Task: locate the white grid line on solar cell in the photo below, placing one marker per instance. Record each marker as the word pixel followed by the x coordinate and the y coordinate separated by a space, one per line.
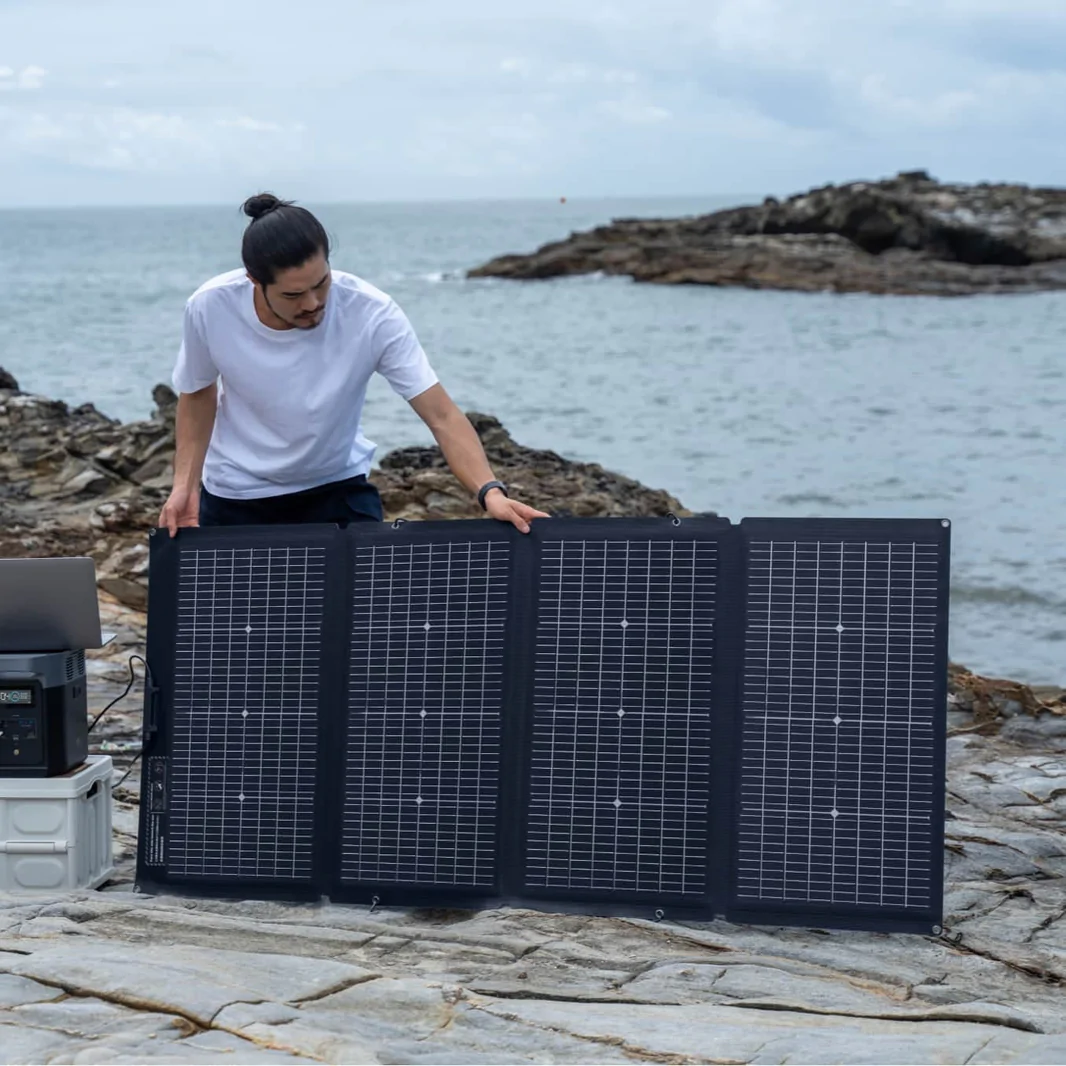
pixel 244 744
pixel 621 716
pixel 426 683
pixel 837 759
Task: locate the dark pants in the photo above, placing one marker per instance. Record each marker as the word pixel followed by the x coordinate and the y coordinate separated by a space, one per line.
pixel 340 502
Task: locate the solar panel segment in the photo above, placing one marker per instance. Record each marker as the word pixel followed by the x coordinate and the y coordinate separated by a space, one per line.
pixel 619 778
pixel 840 799
pixel 238 759
pixel 421 780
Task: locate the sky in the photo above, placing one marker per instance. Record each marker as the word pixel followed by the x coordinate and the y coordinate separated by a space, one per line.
pixel 126 102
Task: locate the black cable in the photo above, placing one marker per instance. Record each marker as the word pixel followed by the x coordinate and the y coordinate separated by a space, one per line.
pixel 129 769
pixel 133 677
pixel 150 684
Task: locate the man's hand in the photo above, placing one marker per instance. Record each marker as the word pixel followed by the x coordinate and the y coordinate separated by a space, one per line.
pixel 181 510
pixel 505 510
pixel 462 449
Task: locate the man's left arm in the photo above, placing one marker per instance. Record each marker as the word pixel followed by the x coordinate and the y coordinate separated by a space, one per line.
pixel 465 455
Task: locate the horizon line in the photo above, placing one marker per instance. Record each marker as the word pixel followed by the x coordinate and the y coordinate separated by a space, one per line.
pixel 562 201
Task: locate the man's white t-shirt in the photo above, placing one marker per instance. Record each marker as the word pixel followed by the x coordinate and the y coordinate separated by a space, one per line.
pixel 290 401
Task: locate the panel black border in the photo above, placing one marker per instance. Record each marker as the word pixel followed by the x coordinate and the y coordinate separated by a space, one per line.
pixel 839 916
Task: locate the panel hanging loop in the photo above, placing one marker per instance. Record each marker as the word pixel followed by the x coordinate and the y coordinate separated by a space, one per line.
pixel 674 520
pixel 399 522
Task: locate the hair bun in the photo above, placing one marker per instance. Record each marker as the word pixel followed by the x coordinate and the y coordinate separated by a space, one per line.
pixel 261 204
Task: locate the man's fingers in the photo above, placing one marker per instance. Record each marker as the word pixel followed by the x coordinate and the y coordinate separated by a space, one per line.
pixel 531 512
pixel 518 514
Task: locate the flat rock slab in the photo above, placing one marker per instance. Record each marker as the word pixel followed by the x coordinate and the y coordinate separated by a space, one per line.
pixel 191 982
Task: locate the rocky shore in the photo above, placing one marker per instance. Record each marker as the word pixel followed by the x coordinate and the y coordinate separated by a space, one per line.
pixel 73 481
pixel 115 976
pixel 119 977
pixel 907 235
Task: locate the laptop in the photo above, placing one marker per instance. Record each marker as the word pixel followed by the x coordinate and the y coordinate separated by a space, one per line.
pixel 49 605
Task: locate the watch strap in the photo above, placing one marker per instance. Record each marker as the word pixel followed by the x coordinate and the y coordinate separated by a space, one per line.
pixel 487 488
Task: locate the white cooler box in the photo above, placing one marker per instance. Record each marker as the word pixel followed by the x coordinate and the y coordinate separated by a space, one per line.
pixel 55 832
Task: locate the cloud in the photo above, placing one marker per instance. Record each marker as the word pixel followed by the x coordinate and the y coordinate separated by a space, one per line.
pixel 423 99
pixel 516 65
pixel 136 140
pixel 27 79
pixel 940 109
pixel 253 125
pixel 634 111
pixel 577 73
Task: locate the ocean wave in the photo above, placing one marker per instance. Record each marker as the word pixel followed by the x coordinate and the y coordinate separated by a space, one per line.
pixel 1005 596
pixel 794 499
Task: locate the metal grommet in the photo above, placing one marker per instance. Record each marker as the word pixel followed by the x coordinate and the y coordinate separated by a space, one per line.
pixel 660 914
pixel 374 901
pixel 937 930
pixel 674 520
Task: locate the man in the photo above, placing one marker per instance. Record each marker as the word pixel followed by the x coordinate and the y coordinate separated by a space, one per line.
pixel 293 343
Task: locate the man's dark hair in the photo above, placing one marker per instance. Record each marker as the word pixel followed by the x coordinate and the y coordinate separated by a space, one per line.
pixel 279 237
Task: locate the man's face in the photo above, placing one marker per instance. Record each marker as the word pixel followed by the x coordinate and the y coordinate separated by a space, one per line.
pixel 298 296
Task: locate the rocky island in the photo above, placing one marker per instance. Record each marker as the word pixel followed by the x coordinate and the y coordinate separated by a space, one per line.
pixel 907 235
pixel 117 976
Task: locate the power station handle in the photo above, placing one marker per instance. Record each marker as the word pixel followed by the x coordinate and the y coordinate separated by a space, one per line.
pixel 33 847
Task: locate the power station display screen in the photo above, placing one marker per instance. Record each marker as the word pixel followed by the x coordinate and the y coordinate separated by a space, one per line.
pixel 16 697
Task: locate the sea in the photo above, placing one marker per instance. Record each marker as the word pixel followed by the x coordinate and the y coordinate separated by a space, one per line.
pixel 742 402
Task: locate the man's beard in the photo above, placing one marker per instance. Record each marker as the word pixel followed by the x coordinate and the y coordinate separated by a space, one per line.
pixel 312 321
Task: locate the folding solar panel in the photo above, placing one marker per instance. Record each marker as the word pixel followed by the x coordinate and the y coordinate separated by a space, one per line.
pixel 237 649
pixel 429 611
pixel 840 792
pixel 638 715
pixel 621 719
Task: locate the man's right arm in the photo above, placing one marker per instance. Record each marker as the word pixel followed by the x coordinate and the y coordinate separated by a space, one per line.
pixel 193 427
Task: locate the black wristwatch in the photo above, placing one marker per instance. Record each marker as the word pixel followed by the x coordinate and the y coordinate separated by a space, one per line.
pixel 487 488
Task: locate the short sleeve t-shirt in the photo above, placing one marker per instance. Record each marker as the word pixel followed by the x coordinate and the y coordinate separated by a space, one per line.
pixel 291 401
